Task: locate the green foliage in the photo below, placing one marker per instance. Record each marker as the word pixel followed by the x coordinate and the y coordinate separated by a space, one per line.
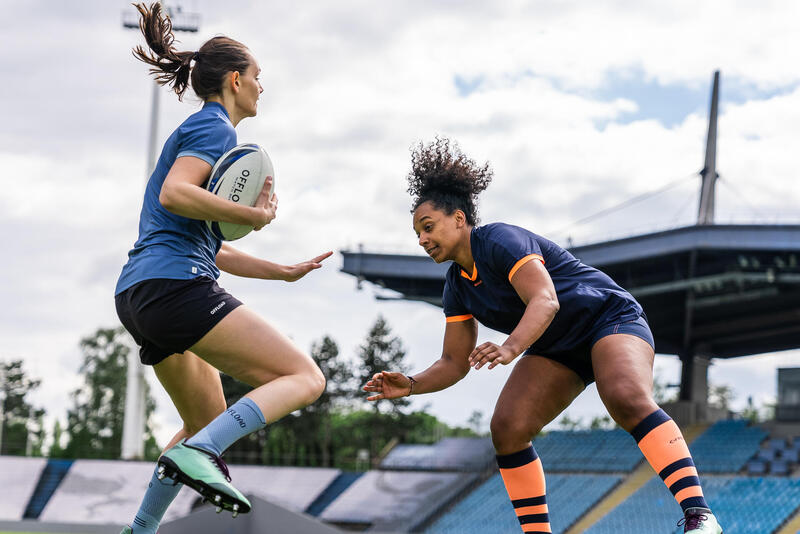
pixel 382 352
pixel 335 431
pixel 22 431
pixel 95 420
pixel 568 423
pixel 720 396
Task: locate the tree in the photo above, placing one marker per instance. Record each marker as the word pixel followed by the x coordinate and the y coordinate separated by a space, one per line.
pixel 601 422
pixel 721 396
pixel 568 423
pixel 21 425
pixel 661 390
pixel 382 352
pixel 475 422
pixel 95 420
pixel 339 391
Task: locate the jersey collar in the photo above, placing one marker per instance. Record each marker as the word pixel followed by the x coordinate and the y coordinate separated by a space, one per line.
pixel 217 105
pixel 471 277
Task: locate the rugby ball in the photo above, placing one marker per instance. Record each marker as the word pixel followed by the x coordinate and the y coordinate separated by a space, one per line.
pixel 238 176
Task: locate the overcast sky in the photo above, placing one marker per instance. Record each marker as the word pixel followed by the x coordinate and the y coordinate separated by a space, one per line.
pixel 578 106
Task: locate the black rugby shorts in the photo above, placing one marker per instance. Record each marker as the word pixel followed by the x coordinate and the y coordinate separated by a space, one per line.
pixel 169 316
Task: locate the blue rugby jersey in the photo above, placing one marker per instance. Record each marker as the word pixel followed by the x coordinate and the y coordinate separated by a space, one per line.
pixel 169 245
pixel 585 294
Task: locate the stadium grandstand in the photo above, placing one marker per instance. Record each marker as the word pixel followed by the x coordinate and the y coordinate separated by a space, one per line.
pixel 596 482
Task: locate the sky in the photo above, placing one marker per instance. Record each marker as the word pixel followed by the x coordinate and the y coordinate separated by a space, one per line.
pixel 578 106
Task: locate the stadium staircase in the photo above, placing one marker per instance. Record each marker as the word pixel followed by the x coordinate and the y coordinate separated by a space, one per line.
pixel 792 526
pixel 52 475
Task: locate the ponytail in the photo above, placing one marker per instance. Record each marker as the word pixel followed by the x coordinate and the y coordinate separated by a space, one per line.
pixel 216 58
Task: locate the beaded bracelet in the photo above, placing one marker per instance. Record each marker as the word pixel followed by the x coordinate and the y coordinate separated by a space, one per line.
pixel 411 378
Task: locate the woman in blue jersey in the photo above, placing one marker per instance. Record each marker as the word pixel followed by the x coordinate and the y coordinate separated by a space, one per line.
pixel 167 297
pixel 567 324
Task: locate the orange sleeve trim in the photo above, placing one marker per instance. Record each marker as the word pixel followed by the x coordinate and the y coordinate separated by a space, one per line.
pixel 522 262
pixel 458 318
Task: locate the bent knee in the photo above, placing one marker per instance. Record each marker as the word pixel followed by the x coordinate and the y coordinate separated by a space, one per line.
pixel 510 434
pixel 628 412
pixel 312 383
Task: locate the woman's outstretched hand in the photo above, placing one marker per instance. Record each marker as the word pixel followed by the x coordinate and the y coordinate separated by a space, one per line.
pixel 388 386
pixel 298 271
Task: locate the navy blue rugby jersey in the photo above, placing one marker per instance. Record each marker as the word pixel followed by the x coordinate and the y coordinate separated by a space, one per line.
pixel 585 294
pixel 169 245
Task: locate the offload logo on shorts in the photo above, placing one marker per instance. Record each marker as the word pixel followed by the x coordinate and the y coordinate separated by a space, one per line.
pixel 217 307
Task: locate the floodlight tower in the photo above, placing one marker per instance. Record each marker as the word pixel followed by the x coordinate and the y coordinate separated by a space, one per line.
pixel 134 424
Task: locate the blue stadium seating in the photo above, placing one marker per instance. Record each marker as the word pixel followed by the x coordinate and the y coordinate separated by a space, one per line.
pixel 588 450
pixel 726 446
pixel 488 510
pixel 756 467
pixel 769 502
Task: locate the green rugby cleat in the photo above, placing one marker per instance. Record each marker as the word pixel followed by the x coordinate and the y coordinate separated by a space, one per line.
pixel 205 473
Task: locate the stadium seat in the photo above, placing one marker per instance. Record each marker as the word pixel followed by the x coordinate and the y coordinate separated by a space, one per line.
pixel 756 467
pixel 726 446
pixel 588 451
pixel 770 502
pixel 488 510
pixel 779 467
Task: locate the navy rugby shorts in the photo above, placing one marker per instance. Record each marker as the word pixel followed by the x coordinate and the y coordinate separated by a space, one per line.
pixel 579 358
pixel 169 316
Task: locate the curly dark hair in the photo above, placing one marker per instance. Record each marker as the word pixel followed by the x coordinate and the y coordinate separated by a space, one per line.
pixel 212 61
pixel 442 174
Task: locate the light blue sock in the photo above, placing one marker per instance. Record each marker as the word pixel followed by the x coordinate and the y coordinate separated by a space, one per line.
pixel 157 498
pixel 241 419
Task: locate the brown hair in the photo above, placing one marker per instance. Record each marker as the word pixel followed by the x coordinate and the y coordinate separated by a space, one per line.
pixel 217 57
pixel 443 175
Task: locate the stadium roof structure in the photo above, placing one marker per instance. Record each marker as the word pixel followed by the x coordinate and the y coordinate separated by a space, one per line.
pixel 709 291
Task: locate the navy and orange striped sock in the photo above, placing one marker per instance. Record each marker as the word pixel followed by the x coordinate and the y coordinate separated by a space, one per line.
pixel 523 477
pixel 662 443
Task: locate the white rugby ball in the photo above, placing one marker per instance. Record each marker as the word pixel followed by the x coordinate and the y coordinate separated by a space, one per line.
pixel 238 176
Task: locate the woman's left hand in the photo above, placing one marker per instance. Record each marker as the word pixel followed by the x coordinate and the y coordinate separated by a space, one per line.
pixel 492 354
pixel 298 271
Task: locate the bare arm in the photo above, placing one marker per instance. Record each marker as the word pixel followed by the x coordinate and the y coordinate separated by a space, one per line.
pixel 534 286
pixel 459 340
pixel 182 194
pixel 236 262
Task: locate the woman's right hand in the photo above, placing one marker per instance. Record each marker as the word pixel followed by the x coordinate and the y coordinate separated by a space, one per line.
pixel 265 206
pixel 388 386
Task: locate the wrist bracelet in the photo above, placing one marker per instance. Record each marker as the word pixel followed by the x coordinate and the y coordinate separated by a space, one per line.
pixel 411 378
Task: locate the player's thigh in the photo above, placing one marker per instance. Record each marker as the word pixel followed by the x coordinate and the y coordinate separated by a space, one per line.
pixel 248 348
pixel 623 369
pixel 537 390
pixel 194 387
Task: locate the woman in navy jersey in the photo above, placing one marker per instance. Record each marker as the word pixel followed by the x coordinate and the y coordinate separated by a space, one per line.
pixel 167 297
pixel 567 324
